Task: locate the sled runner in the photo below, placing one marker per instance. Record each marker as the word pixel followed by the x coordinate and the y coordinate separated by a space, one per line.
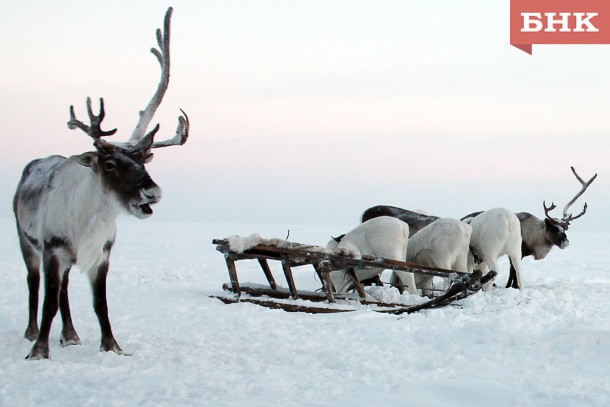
pixel 324 261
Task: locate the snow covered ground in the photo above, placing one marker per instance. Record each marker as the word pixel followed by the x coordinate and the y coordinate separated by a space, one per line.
pixel 547 345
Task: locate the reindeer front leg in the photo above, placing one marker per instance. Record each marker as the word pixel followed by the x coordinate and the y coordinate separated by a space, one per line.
pixel 100 306
pixel 68 333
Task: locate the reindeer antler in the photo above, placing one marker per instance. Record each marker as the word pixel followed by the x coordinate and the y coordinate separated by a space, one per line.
pixel 163 56
pixel 182 133
pixel 139 140
pixel 567 218
pixel 94 131
pixel 547 210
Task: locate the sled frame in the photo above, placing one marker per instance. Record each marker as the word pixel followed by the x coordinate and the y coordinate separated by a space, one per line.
pixel 294 255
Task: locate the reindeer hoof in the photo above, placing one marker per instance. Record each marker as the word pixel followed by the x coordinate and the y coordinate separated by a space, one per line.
pixel 39 352
pixel 31 333
pixel 110 345
pixel 68 339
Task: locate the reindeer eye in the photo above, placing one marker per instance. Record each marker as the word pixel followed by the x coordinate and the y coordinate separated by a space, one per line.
pixel 109 165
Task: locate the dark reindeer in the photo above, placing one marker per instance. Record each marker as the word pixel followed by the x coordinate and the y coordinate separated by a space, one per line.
pixel 66 210
pixel 540 236
pixel 415 220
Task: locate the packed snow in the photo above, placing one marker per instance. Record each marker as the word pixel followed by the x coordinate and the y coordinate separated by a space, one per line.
pixel 546 345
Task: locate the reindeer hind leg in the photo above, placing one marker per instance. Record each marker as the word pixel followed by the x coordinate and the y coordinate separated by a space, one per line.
pixel 515 273
pixel 52 282
pixel 512 277
pixel 32 259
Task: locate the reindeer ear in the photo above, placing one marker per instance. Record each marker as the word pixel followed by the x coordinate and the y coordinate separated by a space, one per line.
pixel 339 238
pixel 89 159
pixel 548 222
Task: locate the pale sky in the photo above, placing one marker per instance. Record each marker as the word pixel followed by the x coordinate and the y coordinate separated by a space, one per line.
pixel 313 111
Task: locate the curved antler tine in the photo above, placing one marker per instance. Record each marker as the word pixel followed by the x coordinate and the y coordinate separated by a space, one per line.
pixel 156 53
pixel 147 141
pixel 102 111
pixel 182 133
pixel 98 121
pixel 547 210
pixel 74 123
pixel 153 131
pixel 576 175
pixel 581 180
pixel 166 26
pixel 71 125
pixel 163 39
pixel 585 185
pixel 183 127
pixel 584 210
pixel 89 110
pixel 160 37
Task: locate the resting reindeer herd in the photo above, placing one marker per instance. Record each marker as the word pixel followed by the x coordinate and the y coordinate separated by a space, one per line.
pixel 66 210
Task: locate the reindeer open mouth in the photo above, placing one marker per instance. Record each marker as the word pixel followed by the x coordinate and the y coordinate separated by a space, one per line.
pixel 146 209
pixel 143 209
pixel 149 195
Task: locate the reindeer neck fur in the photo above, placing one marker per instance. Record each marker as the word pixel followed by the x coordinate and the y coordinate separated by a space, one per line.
pixel 96 210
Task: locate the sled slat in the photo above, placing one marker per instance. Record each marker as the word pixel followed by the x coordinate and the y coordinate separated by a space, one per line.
pixel 289 278
pixel 352 273
pixel 322 270
pixel 265 266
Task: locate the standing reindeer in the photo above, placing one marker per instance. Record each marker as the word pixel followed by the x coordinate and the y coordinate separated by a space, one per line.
pixel 540 236
pixel 66 210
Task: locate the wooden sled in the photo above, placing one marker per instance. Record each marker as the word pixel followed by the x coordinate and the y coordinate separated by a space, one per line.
pixel 292 255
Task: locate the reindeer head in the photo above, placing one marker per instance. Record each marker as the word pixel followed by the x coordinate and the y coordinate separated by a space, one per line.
pixel 555 228
pixel 555 232
pixel 121 165
pixel 120 168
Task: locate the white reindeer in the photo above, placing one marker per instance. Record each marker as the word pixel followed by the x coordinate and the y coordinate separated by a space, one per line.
pixel 384 236
pixel 444 243
pixel 496 232
pixel 66 210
